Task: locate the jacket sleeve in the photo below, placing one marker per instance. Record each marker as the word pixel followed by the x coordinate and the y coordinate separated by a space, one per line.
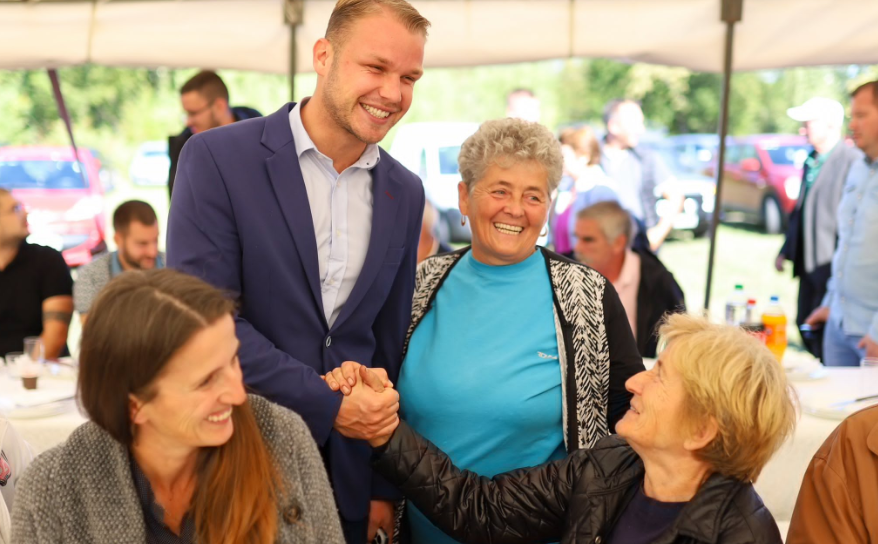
pixel 315 494
pixel 522 506
pixel 625 360
pixel 793 223
pixel 35 518
pixel 825 513
pixel 792 228
pixel 203 241
pixel 392 323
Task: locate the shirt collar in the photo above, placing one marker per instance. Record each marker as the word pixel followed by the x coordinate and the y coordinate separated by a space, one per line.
pixel 150 507
pixel 628 274
pixel 115 265
pixel 367 161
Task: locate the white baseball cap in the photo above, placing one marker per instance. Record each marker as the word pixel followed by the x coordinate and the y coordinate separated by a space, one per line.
pixel 818 108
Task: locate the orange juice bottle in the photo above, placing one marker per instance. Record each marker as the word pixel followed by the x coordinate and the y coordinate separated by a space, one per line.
pixel 775 323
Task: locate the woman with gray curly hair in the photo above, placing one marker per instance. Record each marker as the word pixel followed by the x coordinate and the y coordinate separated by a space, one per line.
pixel 516 355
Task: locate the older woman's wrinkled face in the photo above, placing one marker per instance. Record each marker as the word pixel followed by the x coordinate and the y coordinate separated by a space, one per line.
pixel 195 392
pixel 507 209
pixel 655 420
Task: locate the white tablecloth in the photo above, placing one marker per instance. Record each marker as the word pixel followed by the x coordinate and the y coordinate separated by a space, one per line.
pixel 780 480
pixel 778 485
pixel 41 433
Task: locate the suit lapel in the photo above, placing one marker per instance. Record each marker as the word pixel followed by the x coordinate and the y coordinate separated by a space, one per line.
pixel 384 210
pixel 289 187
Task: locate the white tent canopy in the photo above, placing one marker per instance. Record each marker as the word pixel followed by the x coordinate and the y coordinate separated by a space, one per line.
pixel 253 34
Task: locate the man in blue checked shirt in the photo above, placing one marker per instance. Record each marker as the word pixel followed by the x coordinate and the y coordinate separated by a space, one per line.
pixel 850 307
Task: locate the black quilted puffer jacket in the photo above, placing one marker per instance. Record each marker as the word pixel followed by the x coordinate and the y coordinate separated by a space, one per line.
pixel 577 499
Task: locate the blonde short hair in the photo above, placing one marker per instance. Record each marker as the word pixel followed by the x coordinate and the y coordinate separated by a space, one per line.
pixel 506 142
pixel 731 376
pixel 347 12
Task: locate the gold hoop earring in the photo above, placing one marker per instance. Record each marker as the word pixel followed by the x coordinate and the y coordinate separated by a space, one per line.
pixel 462 220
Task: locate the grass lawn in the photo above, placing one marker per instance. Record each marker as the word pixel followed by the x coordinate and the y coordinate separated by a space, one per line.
pixel 743 255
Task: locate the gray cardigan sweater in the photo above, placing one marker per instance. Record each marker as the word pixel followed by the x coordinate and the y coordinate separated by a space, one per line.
pixel 82 491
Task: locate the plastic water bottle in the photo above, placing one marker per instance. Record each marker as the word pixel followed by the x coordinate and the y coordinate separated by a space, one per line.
pixel 750 314
pixel 736 306
pixel 775 322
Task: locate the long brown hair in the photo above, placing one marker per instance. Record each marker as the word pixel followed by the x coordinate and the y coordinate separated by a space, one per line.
pixel 138 322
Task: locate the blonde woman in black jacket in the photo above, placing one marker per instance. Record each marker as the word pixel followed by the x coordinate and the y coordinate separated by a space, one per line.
pixel 702 424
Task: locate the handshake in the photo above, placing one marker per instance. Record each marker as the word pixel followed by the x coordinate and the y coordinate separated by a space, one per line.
pixel 370 406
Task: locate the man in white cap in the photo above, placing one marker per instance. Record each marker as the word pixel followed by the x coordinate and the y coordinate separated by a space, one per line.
pixel 812 231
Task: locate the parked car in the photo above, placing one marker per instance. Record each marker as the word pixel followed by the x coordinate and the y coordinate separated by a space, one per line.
pixel 150 164
pixel 691 153
pixel 65 203
pixel 682 156
pixel 430 150
pixel 762 178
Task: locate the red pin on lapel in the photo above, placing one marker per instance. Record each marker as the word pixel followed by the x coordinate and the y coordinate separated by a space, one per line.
pixel 388 194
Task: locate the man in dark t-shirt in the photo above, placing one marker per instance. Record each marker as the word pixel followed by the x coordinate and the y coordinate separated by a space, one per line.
pixel 36 291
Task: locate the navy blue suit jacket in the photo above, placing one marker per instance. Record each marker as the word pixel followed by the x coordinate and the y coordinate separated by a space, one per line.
pixel 241 220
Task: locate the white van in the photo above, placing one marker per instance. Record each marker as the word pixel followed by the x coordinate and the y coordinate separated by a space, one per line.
pixel 430 150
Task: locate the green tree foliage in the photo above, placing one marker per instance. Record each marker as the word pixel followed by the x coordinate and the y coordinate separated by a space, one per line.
pixel 115 109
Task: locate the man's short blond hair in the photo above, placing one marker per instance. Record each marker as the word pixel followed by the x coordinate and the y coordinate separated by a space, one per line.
pixel 347 12
pixel 731 376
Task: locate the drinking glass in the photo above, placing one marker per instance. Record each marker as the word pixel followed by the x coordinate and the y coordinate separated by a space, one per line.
pixel 33 348
pixel 868 378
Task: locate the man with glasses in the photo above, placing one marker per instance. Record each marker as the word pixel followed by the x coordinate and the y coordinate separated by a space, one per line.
pixel 36 291
pixel 205 100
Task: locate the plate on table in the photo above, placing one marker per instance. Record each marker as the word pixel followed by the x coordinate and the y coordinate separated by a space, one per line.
pixel 837 410
pixel 50 409
pixel 806 373
pixel 801 366
pixel 52 397
pixel 63 368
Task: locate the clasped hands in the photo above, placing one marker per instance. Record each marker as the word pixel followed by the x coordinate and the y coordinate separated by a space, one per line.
pixel 370 407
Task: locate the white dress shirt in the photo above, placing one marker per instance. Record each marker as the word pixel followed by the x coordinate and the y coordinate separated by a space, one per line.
pixel 341 208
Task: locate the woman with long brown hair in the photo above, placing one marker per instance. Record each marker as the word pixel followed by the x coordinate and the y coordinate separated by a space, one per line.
pixel 176 451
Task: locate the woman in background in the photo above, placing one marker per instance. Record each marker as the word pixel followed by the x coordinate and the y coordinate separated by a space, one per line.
pixel 176 451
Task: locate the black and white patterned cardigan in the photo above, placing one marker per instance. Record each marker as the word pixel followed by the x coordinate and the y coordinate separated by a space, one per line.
pixel 581 329
pixel 588 341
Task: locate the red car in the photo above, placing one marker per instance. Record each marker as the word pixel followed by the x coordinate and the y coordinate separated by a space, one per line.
pixel 65 208
pixel 762 177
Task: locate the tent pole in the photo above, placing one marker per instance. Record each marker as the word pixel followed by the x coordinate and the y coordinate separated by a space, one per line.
pixel 293 15
pixel 293 62
pixel 62 111
pixel 731 14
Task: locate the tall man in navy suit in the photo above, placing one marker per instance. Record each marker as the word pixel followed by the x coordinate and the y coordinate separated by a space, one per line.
pixel 315 229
